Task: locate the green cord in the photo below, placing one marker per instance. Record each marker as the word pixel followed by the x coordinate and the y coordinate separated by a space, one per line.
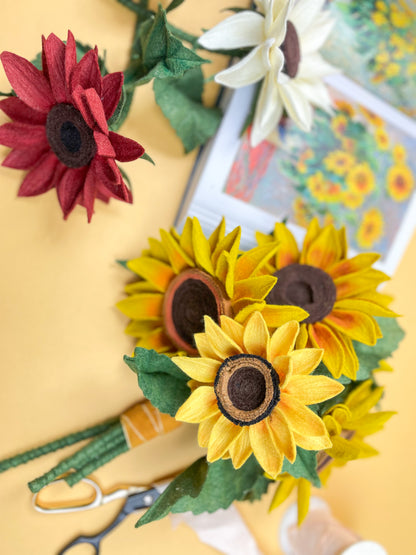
pixel 23 458
pixel 96 449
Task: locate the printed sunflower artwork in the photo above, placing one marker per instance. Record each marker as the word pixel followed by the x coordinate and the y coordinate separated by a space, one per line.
pixel 377 47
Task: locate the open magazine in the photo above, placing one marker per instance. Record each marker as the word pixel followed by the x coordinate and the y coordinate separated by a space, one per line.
pixel 356 168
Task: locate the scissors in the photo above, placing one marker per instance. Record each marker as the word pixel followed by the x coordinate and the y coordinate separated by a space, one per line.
pixel 136 498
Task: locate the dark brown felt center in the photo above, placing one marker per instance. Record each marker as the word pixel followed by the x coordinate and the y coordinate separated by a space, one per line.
pixel 306 286
pixel 247 389
pixel 291 51
pixel 192 295
pixel 69 136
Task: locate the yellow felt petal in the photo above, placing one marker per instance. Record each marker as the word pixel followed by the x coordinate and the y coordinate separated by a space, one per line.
pixel 282 434
pixel 354 285
pixel 365 449
pixel 300 418
pixel 201 369
pixel 244 307
pixel 217 235
pixel 233 329
pixel 283 491
pixel 144 305
pixel 205 429
pixel 156 340
pixel 332 424
pixel 343 449
pixel 185 239
pixel 361 409
pixel 277 315
pixel 323 337
pixel 230 243
pixel 158 273
pixel 220 342
pixel 304 495
pixel 263 238
pixel 302 339
pixel 354 324
pixel 256 336
pixel 140 287
pixel 283 339
pixel 252 261
pixel 224 272
pixel 157 250
pixel 367 307
pixel 137 328
pixel 201 248
pixel 178 258
pixel 313 389
pixel 384 366
pixel 351 362
pixel 370 423
pixel 324 250
pixel 284 368
pixel 256 287
pixel 359 394
pixel 311 234
pixel 305 361
pixel 223 434
pixel 241 449
pixel 204 346
pixel 201 404
pixel 343 243
pixel 312 443
pixel 269 458
pixel 353 265
pixel 288 252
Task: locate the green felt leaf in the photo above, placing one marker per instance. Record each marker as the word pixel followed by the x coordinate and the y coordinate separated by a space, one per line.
pixel 370 357
pixel 162 382
pixel 174 4
pixel 146 157
pixel 181 102
pixel 122 110
pixel 304 466
pixel 205 487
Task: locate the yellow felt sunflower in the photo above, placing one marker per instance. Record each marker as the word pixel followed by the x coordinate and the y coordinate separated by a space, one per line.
pixel 250 393
pixel 348 424
pixel 339 293
pixel 184 277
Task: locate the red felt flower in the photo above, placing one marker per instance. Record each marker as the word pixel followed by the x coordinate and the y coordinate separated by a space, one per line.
pixel 59 126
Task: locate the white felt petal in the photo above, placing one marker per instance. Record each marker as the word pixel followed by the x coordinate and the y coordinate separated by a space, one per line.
pixel 317 94
pixel 316 37
pixel 276 26
pixel 238 31
pixel 250 69
pixel 269 110
pixel 304 12
pixel 314 66
pixel 297 105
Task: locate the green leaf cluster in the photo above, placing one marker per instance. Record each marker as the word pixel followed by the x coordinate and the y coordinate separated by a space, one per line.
pixel 305 466
pixel 205 487
pixel 162 382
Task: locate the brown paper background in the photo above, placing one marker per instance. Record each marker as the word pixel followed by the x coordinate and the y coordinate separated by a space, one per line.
pixel 62 340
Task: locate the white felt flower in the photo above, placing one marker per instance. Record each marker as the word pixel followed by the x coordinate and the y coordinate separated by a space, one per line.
pixel 286 36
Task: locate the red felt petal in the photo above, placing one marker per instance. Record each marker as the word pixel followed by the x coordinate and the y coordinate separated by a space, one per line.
pixel 118 191
pixel 104 147
pixel 96 109
pixel 107 171
pixel 22 135
pixel 17 110
pixel 112 86
pixel 28 82
pixel 89 191
pixel 24 159
pixel 69 189
pixel 87 74
pixel 54 52
pixel 70 61
pixel 126 149
pixel 80 102
pixel 40 179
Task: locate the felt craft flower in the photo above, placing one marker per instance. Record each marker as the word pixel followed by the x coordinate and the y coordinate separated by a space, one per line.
pixel 348 424
pixel 286 37
pixel 339 293
pixel 184 277
pixel 59 130
pixel 250 393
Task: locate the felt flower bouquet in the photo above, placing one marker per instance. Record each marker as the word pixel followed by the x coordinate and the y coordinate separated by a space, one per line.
pixel 271 352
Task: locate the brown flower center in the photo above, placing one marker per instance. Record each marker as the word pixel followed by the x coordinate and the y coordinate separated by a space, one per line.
pixel 69 136
pixel 306 286
pixel 291 51
pixel 247 389
pixel 189 297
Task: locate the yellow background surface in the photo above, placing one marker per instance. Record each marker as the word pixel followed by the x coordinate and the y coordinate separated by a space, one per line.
pixel 62 340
